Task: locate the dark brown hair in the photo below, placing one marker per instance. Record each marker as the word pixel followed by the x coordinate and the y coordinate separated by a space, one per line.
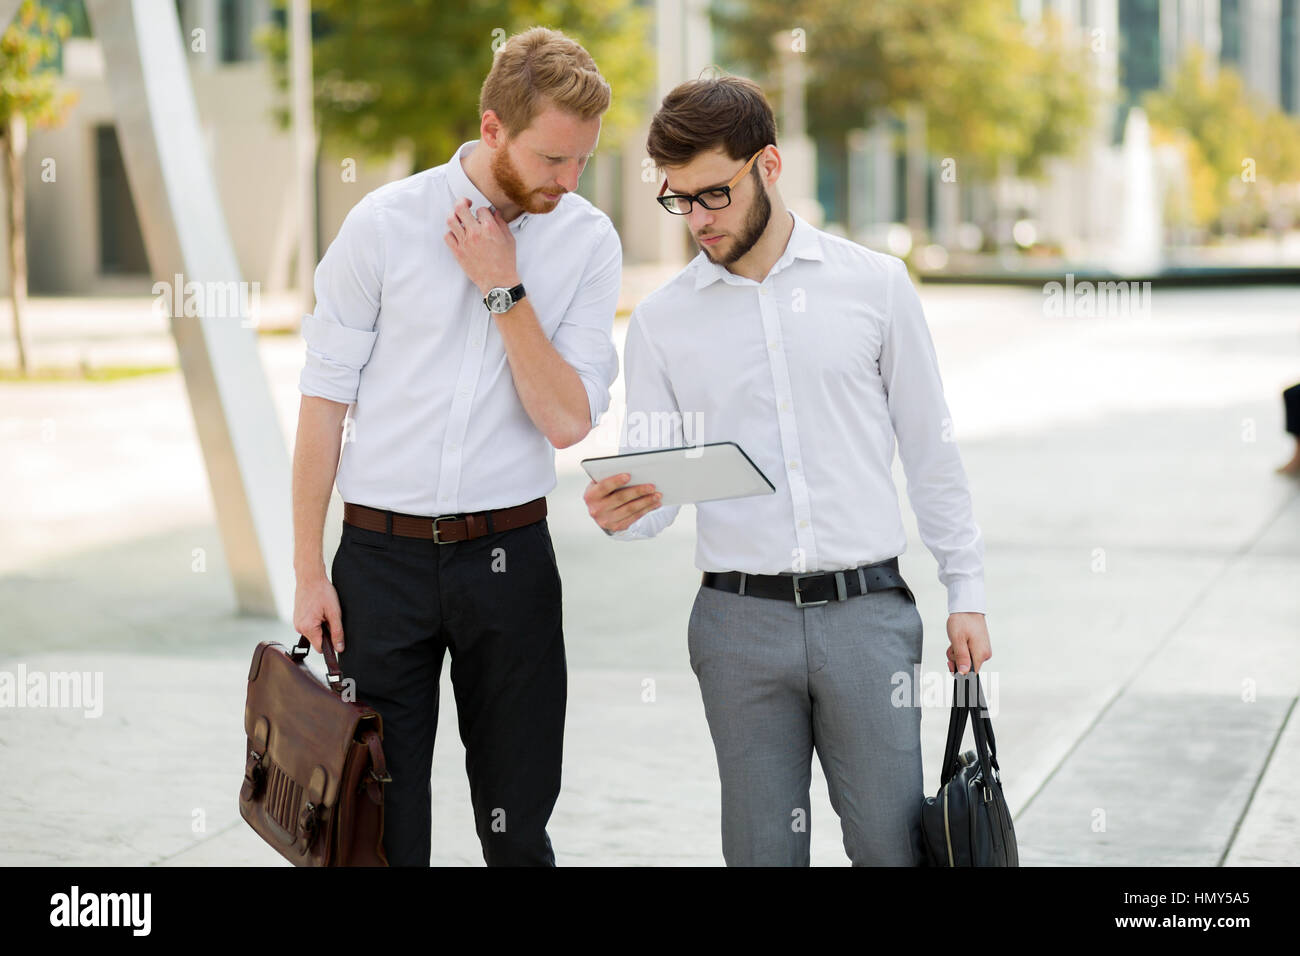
pixel 700 115
pixel 537 67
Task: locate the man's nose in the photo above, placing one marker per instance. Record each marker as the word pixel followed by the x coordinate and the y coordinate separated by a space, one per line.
pixel 699 217
pixel 570 178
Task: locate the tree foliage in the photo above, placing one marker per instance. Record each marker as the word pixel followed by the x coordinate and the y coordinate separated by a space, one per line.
pixel 28 88
pixel 1230 139
pixel 991 85
pixel 391 73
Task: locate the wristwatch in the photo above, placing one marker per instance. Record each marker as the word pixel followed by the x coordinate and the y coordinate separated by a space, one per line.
pixel 500 300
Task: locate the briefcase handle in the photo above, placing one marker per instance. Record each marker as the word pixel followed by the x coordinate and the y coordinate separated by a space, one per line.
pixel 335 675
pixel 985 744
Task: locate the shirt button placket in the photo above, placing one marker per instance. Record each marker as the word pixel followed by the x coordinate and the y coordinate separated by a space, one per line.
pixel 458 419
pixel 786 419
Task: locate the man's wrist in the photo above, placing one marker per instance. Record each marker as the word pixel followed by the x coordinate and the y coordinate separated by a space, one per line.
pixel 507 284
pixel 304 568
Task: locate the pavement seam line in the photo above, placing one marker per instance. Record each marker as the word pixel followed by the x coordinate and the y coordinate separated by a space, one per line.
pixel 1142 666
pixel 1263 771
pixel 197 843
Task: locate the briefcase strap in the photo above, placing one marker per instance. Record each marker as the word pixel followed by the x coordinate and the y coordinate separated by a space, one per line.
pixel 378 765
pixel 335 674
pixel 985 744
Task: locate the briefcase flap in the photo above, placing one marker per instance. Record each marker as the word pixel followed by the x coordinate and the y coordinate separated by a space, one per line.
pixel 305 727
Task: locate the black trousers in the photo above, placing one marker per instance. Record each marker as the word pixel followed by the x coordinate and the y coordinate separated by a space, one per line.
pixel 494 603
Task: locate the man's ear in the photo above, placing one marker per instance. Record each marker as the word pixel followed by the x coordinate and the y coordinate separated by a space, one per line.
pixel 491 129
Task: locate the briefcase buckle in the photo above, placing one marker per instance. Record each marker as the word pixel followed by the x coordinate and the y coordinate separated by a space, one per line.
pixel 798 592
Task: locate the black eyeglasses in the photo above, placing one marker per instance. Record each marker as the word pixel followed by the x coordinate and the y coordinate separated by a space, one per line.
pixel 719 197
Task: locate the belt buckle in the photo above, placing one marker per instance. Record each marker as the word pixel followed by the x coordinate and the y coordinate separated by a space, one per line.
pixel 438 540
pixel 798 594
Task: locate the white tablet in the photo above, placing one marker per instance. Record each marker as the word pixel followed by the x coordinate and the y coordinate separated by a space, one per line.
pixel 688 474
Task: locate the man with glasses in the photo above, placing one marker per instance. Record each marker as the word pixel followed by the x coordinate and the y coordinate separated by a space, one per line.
pixel 812 353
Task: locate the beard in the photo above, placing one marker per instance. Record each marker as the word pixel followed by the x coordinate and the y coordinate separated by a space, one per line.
pixel 511 183
pixel 750 232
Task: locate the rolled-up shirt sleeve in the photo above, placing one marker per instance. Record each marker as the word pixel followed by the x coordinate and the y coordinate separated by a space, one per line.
pixel 341 333
pixel 936 481
pixel 584 337
pixel 653 420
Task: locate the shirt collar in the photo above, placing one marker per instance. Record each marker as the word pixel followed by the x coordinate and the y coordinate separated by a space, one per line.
pixel 804 243
pixel 462 188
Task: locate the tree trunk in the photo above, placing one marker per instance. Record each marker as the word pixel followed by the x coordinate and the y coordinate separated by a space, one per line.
pixel 15 148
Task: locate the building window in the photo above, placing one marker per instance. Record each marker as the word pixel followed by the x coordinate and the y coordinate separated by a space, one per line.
pixel 1230 30
pixel 121 245
pixel 1139 51
pixel 236 30
pixel 1290 52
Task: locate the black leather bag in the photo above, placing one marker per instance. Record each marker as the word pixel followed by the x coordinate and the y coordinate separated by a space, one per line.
pixel 967 823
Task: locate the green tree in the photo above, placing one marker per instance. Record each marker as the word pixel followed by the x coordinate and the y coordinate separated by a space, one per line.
pixel 993 87
pixel 29 93
pixel 389 73
pixel 1231 139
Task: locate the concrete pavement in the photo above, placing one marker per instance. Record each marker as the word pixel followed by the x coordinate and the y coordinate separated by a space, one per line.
pixel 1142 568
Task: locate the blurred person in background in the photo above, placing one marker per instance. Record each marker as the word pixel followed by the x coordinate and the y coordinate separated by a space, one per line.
pixel 1291 406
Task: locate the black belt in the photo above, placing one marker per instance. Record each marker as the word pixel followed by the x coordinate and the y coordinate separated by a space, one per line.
pixel 810 590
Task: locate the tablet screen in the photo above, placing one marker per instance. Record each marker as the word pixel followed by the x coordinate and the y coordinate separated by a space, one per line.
pixel 689 474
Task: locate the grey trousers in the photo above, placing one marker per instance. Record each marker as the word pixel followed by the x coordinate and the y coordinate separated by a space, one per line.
pixel 777 682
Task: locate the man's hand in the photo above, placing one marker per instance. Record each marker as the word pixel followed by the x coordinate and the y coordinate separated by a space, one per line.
pixel 969 637
pixel 315 600
pixel 614 507
pixel 483 245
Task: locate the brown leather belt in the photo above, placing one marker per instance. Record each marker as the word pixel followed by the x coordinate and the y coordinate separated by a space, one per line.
pixel 445 529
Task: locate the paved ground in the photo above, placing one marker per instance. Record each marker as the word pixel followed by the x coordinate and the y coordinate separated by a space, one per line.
pixel 1142 573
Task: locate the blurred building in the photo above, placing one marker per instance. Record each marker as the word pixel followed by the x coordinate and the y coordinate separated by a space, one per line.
pixel 882 186
pixel 895 196
pixel 82 232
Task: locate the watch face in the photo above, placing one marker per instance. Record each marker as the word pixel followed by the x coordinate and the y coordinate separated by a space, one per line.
pixel 499 300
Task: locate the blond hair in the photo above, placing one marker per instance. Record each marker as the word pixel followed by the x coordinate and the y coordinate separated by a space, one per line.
pixel 537 68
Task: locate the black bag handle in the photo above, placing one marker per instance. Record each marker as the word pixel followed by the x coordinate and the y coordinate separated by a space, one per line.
pixel 334 675
pixel 985 743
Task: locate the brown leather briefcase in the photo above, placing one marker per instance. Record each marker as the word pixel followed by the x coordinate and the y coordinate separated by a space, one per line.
pixel 315 772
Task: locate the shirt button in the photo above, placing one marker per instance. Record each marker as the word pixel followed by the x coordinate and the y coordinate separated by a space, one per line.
pixel 803 524
pixel 785 406
pixel 794 464
pixel 772 346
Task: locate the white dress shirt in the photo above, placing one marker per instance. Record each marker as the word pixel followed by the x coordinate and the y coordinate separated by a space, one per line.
pixel 813 372
pixel 402 332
